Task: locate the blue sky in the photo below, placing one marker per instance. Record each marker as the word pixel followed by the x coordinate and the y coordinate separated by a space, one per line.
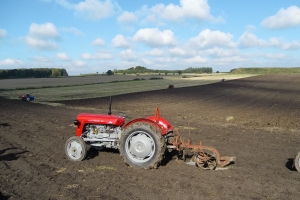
pixel 89 36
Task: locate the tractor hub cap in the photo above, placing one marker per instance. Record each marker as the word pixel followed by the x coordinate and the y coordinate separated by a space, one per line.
pixel 140 146
pixel 74 149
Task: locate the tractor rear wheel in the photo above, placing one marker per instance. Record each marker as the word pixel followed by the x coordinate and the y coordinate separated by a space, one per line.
pixel 297 162
pixel 75 149
pixel 142 145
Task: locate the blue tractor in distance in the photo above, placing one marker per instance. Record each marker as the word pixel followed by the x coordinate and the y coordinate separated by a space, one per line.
pixel 27 97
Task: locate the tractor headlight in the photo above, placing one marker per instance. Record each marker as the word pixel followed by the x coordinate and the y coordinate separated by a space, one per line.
pixel 76 122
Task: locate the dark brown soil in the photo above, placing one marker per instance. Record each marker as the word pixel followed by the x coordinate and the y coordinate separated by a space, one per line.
pixel 256 119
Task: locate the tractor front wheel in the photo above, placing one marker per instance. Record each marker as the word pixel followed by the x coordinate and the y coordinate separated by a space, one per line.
pixel 75 149
pixel 297 162
pixel 142 145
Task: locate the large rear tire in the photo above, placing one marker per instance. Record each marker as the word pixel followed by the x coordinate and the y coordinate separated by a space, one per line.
pixel 297 162
pixel 142 145
pixel 75 149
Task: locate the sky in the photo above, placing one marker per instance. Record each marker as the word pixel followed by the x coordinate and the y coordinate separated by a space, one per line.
pixel 90 36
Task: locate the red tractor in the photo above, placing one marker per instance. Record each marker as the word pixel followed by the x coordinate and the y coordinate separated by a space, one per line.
pixel 142 142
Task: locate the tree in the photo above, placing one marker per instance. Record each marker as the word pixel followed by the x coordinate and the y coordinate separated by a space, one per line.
pixel 56 72
pixel 109 73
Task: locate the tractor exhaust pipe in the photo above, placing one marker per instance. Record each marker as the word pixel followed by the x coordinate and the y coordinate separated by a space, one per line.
pixel 109 109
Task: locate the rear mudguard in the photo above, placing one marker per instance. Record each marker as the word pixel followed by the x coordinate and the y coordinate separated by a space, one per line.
pixel 163 125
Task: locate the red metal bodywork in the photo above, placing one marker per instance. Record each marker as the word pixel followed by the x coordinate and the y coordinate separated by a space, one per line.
pixel 164 126
pixel 87 118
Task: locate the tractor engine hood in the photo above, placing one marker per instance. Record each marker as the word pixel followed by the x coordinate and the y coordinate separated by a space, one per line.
pixel 87 118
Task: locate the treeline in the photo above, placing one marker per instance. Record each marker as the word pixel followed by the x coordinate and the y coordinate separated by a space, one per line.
pixel 143 70
pixel 198 70
pixel 32 73
pixel 266 70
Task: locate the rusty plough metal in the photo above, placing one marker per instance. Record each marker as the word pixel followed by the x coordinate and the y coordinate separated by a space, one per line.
pixel 204 157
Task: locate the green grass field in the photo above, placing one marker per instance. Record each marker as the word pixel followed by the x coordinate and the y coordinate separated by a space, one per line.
pixel 114 85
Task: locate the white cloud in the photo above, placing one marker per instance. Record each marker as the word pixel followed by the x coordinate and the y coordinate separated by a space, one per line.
pixel 208 38
pixel 65 3
pixel 169 12
pixel 63 56
pixel 92 9
pixel 72 66
pixel 220 52
pixel 120 41
pixel 99 42
pixel 97 56
pixel 87 56
pixel 177 51
pixel 224 61
pixel 196 60
pixel 73 30
pixel 250 40
pixel 250 28
pixel 155 52
pixel 47 31
pixel 284 18
pixel 40 44
pixel 127 18
pixel 78 63
pixel 153 19
pixel 165 60
pixel 40 59
pixel 275 42
pixel 155 37
pixel 3 33
pixel 127 54
pixel 40 36
pixel 276 56
pixel 195 9
pixel 291 46
pixel 145 61
pixel 9 62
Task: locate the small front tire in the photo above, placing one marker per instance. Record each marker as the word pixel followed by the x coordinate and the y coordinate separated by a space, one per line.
pixel 75 149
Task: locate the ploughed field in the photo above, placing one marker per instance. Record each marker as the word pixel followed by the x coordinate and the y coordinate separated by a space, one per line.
pixel 256 119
